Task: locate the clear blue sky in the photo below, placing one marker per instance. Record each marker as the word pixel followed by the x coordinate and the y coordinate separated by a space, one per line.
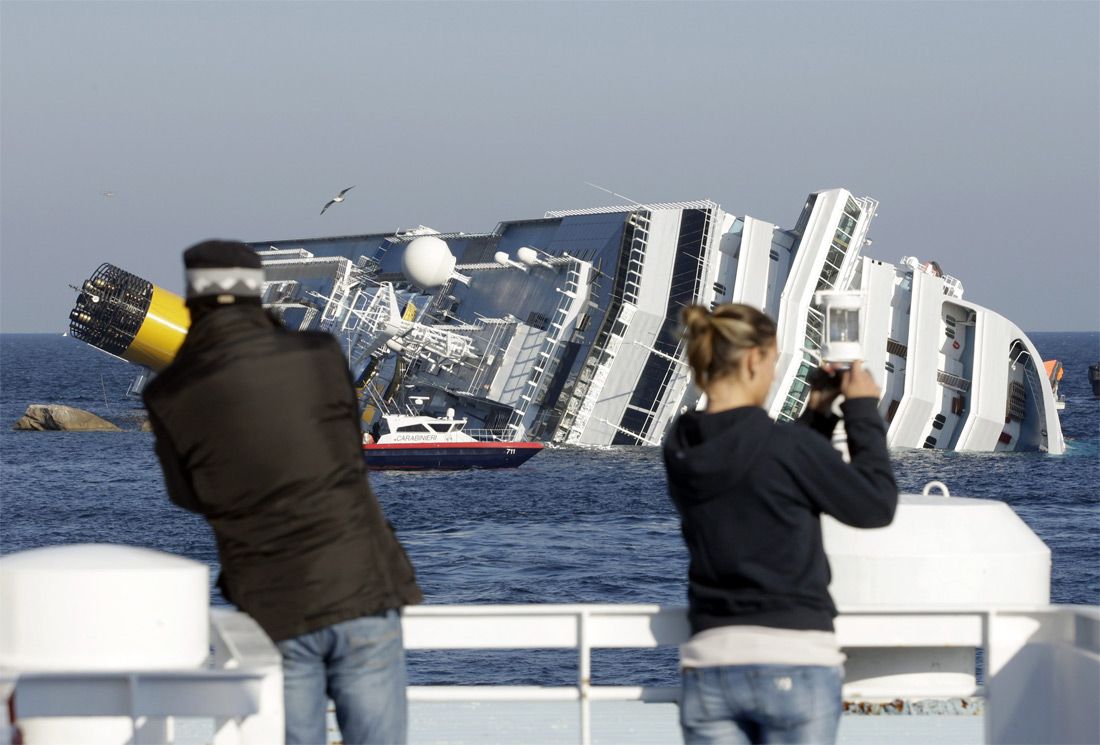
pixel 976 125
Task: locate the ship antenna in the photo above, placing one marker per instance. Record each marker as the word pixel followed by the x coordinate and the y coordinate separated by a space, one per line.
pixel 104 384
pixel 620 196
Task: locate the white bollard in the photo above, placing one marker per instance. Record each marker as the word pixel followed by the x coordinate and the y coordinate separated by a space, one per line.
pixel 100 608
pixel 940 552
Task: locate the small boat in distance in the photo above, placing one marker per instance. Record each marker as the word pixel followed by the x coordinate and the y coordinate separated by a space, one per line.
pixel 1094 379
pixel 420 442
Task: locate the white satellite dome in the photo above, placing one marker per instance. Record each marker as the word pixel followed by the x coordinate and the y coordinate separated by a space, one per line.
pixel 428 261
pixel 528 256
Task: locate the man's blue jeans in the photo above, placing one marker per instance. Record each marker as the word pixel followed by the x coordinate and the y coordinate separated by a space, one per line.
pixel 360 665
pixel 761 704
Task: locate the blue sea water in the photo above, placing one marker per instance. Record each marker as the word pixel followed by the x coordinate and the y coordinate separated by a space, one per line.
pixel 572 525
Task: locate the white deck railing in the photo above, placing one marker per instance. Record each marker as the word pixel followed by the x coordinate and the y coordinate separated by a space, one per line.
pixel 240 689
pixel 1002 633
pixel 1038 659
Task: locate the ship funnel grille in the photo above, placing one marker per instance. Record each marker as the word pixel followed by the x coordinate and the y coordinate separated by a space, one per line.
pixel 110 309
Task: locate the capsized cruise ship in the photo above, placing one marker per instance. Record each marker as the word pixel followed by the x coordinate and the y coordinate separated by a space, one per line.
pixel 565 328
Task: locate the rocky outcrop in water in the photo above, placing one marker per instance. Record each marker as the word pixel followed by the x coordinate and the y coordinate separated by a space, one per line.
pixel 43 417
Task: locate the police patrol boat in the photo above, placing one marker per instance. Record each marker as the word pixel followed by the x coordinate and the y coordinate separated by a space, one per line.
pixel 418 442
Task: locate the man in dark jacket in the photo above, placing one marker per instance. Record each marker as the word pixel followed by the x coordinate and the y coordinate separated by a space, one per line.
pixel 257 430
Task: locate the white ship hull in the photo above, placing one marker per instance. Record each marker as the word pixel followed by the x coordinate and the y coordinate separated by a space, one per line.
pixel 582 347
pixel 566 328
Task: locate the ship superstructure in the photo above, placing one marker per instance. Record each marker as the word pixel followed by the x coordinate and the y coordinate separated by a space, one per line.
pixel 565 328
pixel 955 375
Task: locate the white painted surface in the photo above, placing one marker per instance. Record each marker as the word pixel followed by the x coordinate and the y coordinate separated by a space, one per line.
pixel 939 551
pixel 922 391
pixel 1045 687
pixel 986 416
pixel 660 256
pixel 877 283
pixel 102 607
pixel 632 714
pixel 96 608
pixel 236 697
pixel 625 722
pixel 639 723
pixel 949 576
pixel 754 264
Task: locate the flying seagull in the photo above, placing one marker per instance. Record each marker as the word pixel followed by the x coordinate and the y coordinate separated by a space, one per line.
pixel 336 199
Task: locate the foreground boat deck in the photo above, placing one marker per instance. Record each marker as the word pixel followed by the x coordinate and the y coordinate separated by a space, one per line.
pixel 614 722
pixel 554 722
pixel 1035 682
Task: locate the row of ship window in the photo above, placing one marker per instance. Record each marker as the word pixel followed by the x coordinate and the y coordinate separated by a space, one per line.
pixel 937 424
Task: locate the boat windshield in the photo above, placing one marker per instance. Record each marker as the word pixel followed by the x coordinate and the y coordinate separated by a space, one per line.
pixel 414 428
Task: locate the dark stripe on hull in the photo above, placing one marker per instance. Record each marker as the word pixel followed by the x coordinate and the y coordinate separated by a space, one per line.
pixel 452 458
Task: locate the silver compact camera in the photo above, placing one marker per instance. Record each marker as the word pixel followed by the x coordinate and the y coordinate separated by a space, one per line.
pixel 842 310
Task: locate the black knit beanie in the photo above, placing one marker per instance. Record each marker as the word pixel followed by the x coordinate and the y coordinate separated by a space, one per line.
pixel 224 271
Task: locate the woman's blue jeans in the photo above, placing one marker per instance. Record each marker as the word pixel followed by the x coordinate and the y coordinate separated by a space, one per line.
pixel 360 665
pixel 761 704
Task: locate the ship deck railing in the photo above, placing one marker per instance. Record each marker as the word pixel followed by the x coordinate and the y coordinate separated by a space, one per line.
pixel 1042 666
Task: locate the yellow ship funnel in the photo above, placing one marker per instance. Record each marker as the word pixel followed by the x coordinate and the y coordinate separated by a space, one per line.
pixel 129 317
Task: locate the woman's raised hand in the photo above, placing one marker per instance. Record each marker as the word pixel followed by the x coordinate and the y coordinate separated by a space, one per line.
pixel 858 383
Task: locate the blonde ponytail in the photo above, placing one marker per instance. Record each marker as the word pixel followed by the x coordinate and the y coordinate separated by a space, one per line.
pixel 718 339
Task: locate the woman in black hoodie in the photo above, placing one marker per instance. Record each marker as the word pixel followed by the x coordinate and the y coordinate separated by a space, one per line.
pixel 763 663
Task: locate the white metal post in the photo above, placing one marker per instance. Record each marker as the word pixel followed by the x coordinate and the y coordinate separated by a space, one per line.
pixel 584 675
